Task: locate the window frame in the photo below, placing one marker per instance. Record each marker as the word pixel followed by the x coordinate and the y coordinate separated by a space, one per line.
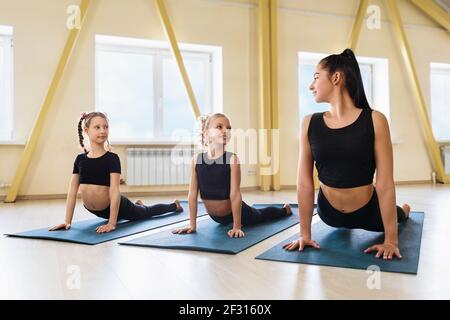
pixel 437 68
pixel 160 51
pixel 7 43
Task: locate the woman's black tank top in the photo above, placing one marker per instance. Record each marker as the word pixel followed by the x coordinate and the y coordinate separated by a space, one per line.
pixel 345 156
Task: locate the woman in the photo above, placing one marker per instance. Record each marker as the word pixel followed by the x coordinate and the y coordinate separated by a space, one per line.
pixel 347 143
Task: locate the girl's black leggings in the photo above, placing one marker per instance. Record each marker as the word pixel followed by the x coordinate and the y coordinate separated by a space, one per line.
pixel 251 216
pixel 132 211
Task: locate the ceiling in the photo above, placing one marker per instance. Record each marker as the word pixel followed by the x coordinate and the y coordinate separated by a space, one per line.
pixel 444 4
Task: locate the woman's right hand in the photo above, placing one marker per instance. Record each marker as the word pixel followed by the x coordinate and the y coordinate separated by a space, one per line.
pixel 65 226
pixel 183 230
pixel 301 244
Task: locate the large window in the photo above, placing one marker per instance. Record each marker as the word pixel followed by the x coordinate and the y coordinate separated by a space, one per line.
pixel 374 73
pixel 6 83
pixel 440 100
pixel 138 85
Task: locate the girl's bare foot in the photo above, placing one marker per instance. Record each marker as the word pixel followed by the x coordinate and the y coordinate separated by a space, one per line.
pixel 179 207
pixel 139 202
pixel 406 209
pixel 287 206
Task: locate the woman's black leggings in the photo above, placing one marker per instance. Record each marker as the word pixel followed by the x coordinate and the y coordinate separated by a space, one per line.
pixel 132 211
pixel 367 217
pixel 251 216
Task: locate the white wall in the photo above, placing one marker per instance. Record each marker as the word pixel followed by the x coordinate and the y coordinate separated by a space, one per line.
pixel 318 26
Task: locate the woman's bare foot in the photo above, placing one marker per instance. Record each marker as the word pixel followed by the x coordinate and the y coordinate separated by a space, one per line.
pixel 179 207
pixel 287 206
pixel 139 202
pixel 406 209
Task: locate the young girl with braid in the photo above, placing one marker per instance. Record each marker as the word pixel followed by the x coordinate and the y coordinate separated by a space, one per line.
pixel 216 173
pixel 97 174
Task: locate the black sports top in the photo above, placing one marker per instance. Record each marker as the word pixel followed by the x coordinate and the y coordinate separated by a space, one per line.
pixel 344 156
pixel 96 170
pixel 214 176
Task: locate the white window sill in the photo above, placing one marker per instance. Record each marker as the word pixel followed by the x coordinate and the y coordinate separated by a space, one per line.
pixel 12 143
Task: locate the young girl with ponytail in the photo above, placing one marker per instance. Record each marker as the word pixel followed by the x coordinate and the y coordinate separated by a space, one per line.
pixel 216 174
pixel 347 144
pixel 96 173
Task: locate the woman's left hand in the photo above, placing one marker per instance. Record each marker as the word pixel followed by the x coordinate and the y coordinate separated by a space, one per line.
pixel 236 233
pixel 105 228
pixel 387 250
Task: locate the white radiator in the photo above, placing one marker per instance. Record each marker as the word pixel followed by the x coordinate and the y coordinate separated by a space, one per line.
pixel 159 166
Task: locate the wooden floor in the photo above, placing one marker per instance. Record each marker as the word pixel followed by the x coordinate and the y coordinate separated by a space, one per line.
pixel 38 269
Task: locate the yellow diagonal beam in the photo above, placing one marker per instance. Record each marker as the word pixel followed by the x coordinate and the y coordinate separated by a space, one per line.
pixel 264 84
pixel 435 12
pixel 170 34
pixel 356 29
pixel 44 110
pixel 273 11
pixel 432 146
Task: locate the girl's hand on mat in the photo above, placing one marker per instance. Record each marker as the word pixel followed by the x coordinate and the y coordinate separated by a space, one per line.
pixel 387 250
pixel 184 230
pixel 105 228
pixel 301 244
pixel 236 233
pixel 65 226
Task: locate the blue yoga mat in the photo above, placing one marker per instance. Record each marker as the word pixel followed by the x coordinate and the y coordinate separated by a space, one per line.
pixel 84 231
pixel 213 237
pixel 344 248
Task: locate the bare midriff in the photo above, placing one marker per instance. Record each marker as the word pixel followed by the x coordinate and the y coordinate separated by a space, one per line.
pixel 95 197
pixel 347 200
pixel 218 208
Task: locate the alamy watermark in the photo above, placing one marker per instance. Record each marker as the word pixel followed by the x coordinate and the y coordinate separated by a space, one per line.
pixel 374 280
pixel 74 19
pixel 73 281
pixel 252 146
pixel 374 19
